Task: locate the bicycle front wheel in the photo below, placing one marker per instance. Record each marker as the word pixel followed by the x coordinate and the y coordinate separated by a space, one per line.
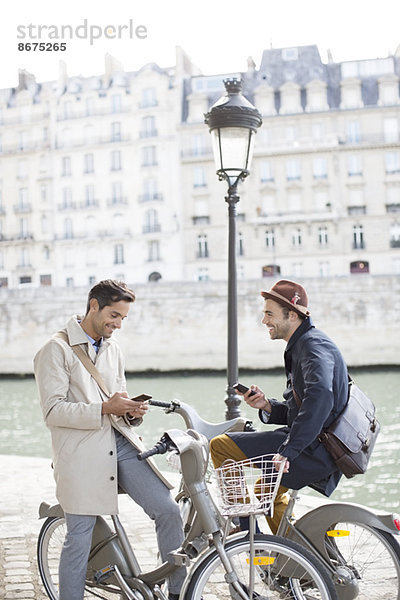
pixel 282 570
pixel 371 555
pixel 49 545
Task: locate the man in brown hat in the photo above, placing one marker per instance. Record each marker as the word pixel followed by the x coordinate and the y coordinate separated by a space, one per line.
pixel 316 392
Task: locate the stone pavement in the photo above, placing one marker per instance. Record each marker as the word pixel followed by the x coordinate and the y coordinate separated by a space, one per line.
pixel 25 483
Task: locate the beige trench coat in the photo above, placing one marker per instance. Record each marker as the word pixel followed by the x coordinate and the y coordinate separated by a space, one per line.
pixel 83 441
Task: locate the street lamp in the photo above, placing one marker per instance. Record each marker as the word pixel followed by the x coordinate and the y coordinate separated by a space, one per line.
pixel 232 121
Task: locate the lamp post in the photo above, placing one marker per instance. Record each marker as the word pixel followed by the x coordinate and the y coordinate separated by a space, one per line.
pixel 232 121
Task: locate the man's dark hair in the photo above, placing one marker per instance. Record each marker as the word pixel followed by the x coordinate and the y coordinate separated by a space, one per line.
pixel 286 312
pixel 109 291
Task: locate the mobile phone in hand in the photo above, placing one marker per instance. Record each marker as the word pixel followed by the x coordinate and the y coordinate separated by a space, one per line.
pixel 243 389
pixel 141 398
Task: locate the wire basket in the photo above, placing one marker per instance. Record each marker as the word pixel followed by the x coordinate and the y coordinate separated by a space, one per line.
pixel 248 486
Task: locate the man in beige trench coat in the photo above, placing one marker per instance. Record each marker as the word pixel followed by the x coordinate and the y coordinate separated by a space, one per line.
pixel 94 443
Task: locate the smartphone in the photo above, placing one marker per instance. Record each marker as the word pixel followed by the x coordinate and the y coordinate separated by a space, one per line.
pixel 243 389
pixel 141 397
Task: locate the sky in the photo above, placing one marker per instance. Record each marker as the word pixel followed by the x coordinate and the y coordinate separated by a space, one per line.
pixel 218 36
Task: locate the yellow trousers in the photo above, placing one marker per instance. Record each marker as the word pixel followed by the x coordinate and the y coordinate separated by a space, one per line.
pixel 223 448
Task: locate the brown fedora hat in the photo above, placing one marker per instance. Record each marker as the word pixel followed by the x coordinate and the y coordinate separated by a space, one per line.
pixel 289 294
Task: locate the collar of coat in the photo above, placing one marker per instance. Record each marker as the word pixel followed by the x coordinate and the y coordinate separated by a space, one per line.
pixel 76 334
pixel 306 325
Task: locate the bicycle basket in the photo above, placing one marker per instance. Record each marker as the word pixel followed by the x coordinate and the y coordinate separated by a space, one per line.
pixel 248 486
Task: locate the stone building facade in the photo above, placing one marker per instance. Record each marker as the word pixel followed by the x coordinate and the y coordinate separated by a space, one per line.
pixel 113 175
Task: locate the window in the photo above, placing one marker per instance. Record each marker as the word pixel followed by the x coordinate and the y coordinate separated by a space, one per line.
pixel 271 270
pixel 23 140
pixel 45 280
pixel 68 230
pixel 66 166
pixel 354 165
pixel 67 197
pixel 198 145
pixel 148 97
pixel 89 195
pixel 25 279
pixel 151 223
pixel 23 228
pixel 239 245
pixel 116 132
pixel 292 170
pixel 359 266
pixel 69 282
pixel 324 269
pixel 24 258
pixel 148 127
pixel 202 246
pixel 392 162
pixel 266 171
pixel 291 133
pixel 322 236
pixel 320 168
pixel 296 238
pixel 199 177
pixel 155 276
pixel 88 163
pixel 43 193
pixel 3 282
pixel 67 109
pixel 116 192
pixel 23 199
pixel 358 237
pixel 202 274
pixel 153 250
pixel 22 168
pixel 116 164
pixel 317 131
pixel 149 156
pixel 270 238
pixel 395 235
pixel 119 254
pixel 150 190
pixel 290 54
pixel 89 106
pixel 353 132
pixel 116 103
pixel 92 280
pixel 44 224
pixel 391 129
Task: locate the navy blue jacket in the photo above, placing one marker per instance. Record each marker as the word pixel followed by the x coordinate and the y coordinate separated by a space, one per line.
pixel 316 370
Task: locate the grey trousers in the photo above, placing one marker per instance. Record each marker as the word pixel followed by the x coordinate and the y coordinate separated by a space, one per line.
pixel 141 483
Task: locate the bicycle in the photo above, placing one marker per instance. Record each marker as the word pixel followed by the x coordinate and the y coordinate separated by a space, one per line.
pixel 356 545
pixel 239 567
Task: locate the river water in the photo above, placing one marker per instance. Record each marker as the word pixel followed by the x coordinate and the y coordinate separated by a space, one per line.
pixel 22 431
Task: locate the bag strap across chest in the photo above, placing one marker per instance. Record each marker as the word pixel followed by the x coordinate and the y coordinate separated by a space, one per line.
pixel 87 363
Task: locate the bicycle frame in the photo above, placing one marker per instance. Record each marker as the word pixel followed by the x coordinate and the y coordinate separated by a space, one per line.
pixel 112 558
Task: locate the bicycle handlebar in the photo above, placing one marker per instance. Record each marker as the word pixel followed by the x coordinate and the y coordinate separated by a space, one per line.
pixel 160 447
pixel 160 404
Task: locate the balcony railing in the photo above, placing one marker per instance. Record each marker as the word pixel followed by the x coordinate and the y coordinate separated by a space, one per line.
pixel 150 197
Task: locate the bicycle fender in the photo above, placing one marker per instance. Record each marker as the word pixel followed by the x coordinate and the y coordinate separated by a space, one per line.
pixel 315 523
pixel 45 510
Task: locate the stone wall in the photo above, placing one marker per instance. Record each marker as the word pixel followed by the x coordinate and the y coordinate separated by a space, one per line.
pixel 182 326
